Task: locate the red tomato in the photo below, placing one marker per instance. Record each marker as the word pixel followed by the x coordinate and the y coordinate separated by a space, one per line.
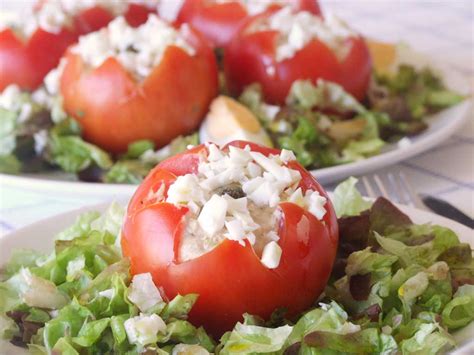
pixel 137 14
pixel 25 63
pixel 115 110
pixel 97 17
pixel 220 21
pixel 230 279
pixel 250 58
pixel 92 19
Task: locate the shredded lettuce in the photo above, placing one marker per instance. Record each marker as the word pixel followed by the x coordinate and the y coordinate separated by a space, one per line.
pixel 459 312
pixel 347 199
pixel 252 339
pixel 73 154
pixel 324 95
pixel 7 131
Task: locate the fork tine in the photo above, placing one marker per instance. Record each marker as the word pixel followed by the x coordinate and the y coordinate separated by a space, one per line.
pixel 414 200
pixel 368 188
pixel 380 185
pixel 393 186
pixel 400 190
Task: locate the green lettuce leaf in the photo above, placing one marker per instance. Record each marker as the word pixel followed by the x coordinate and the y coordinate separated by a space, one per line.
pixel 177 145
pixel 179 306
pixel 360 149
pixel 7 131
pixel 9 164
pixel 20 258
pixel 8 328
pixel 91 332
pixel 347 199
pixel 324 95
pixel 80 228
pixel 459 312
pixel 251 339
pixel 424 254
pixel 429 339
pixel 137 148
pixel 68 323
pixel 73 154
pixel 64 347
pixel 367 341
pixel 127 172
pixel 330 317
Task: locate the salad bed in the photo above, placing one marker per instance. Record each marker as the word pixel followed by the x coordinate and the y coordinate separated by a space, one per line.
pixel 396 287
pixel 322 124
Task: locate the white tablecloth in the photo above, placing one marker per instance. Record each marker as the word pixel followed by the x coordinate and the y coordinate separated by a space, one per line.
pixel 443 29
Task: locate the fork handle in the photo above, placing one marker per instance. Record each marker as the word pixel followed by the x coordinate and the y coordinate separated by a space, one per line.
pixel 447 210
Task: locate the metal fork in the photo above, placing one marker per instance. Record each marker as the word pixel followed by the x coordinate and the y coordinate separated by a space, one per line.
pixel 392 185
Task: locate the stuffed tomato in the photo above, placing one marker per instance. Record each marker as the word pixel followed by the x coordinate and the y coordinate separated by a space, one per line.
pixel 124 84
pixel 92 15
pixel 277 48
pixel 245 227
pixel 218 20
pixel 30 48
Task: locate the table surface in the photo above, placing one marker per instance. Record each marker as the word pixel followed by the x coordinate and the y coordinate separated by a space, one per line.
pixel 443 29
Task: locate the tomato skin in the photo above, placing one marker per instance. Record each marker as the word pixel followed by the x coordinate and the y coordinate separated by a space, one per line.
pixel 307 5
pixel 230 279
pixel 218 22
pixel 137 14
pixel 25 63
pixel 250 58
pixel 92 19
pixel 115 110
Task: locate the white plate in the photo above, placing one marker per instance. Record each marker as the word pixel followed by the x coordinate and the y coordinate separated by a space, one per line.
pixel 441 126
pixel 40 236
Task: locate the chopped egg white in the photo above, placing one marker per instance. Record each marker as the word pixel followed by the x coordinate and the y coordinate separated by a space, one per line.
pixel 10 98
pixel 212 216
pixel 403 143
pixel 271 255
pixel 143 292
pixel 143 330
pixel 296 30
pixel 41 140
pixel 228 120
pixel 189 349
pixel 50 17
pixel 53 15
pixel 287 155
pixel 235 195
pixel 169 9
pixel 139 49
